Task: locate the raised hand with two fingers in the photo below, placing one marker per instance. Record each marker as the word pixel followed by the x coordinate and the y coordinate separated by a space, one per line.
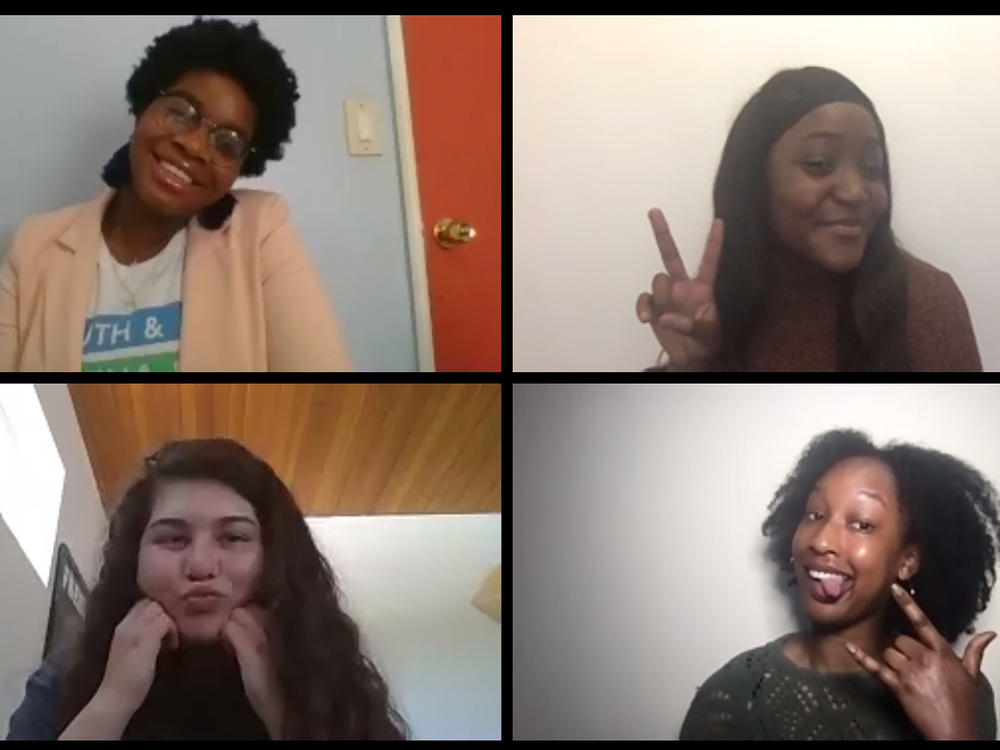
pixel 681 310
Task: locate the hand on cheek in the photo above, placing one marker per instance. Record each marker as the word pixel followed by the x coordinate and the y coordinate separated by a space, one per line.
pixel 245 634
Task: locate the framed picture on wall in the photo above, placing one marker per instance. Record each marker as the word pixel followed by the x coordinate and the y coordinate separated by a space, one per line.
pixel 69 596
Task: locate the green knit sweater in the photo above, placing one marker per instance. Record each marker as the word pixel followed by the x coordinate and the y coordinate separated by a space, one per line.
pixel 761 694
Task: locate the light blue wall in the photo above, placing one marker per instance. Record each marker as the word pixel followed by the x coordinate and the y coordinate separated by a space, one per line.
pixel 63 114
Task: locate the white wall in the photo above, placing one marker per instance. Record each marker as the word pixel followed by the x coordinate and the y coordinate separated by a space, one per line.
pixel 64 114
pixel 82 527
pixel 638 556
pixel 408 581
pixel 83 523
pixel 613 116
pixel 22 626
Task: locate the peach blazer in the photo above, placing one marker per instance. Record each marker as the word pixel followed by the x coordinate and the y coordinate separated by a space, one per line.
pixel 251 299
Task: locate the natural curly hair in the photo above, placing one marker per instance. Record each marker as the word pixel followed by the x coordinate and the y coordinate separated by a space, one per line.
pixel 331 690
pixel 949 512
pixel 239 52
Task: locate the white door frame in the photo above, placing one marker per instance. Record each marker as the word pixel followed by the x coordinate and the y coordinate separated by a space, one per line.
pixel 411 193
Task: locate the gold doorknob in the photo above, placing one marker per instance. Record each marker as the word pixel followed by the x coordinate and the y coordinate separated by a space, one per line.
pixel 451 233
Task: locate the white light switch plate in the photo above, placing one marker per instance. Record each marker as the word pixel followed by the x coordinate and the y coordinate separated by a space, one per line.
pixel 364 127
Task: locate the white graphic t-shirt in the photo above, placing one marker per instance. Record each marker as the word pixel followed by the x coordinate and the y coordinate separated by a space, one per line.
pixel 135 314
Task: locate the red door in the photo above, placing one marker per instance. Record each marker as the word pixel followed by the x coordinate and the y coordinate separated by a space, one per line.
pixel 453 66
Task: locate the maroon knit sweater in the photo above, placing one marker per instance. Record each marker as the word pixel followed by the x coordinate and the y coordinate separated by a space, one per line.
pixel 798 326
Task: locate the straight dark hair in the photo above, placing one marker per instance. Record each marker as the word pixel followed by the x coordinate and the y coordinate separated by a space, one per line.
pixel 871 321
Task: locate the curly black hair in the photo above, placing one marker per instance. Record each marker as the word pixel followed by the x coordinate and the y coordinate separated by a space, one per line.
pixel 237 51
pixel 241 53
pixel 331 689
pixel 950 513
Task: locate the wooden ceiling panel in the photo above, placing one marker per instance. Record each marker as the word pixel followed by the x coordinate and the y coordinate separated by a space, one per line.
pixel 351 449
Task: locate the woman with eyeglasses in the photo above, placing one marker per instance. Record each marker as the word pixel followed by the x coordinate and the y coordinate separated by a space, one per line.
pixel 171 269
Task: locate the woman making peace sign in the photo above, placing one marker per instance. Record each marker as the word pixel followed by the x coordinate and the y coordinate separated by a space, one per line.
pixel 808 276
pixel 873 661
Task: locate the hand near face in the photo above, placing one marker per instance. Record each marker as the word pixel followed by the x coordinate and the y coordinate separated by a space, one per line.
pixel 681 311
pixel 936 689
pixel 136 644
pixel 246 632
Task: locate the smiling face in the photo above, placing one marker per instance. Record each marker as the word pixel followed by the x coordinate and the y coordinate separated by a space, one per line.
pixel 826 184
pixel 853 523
pixel 201 535
pixel 217 98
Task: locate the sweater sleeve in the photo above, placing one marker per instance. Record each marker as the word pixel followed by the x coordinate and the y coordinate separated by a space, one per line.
pixel 939 327
pixel 719 709
pixel 35 718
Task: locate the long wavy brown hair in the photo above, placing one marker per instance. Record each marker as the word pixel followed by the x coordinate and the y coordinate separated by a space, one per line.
pixel 331 689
